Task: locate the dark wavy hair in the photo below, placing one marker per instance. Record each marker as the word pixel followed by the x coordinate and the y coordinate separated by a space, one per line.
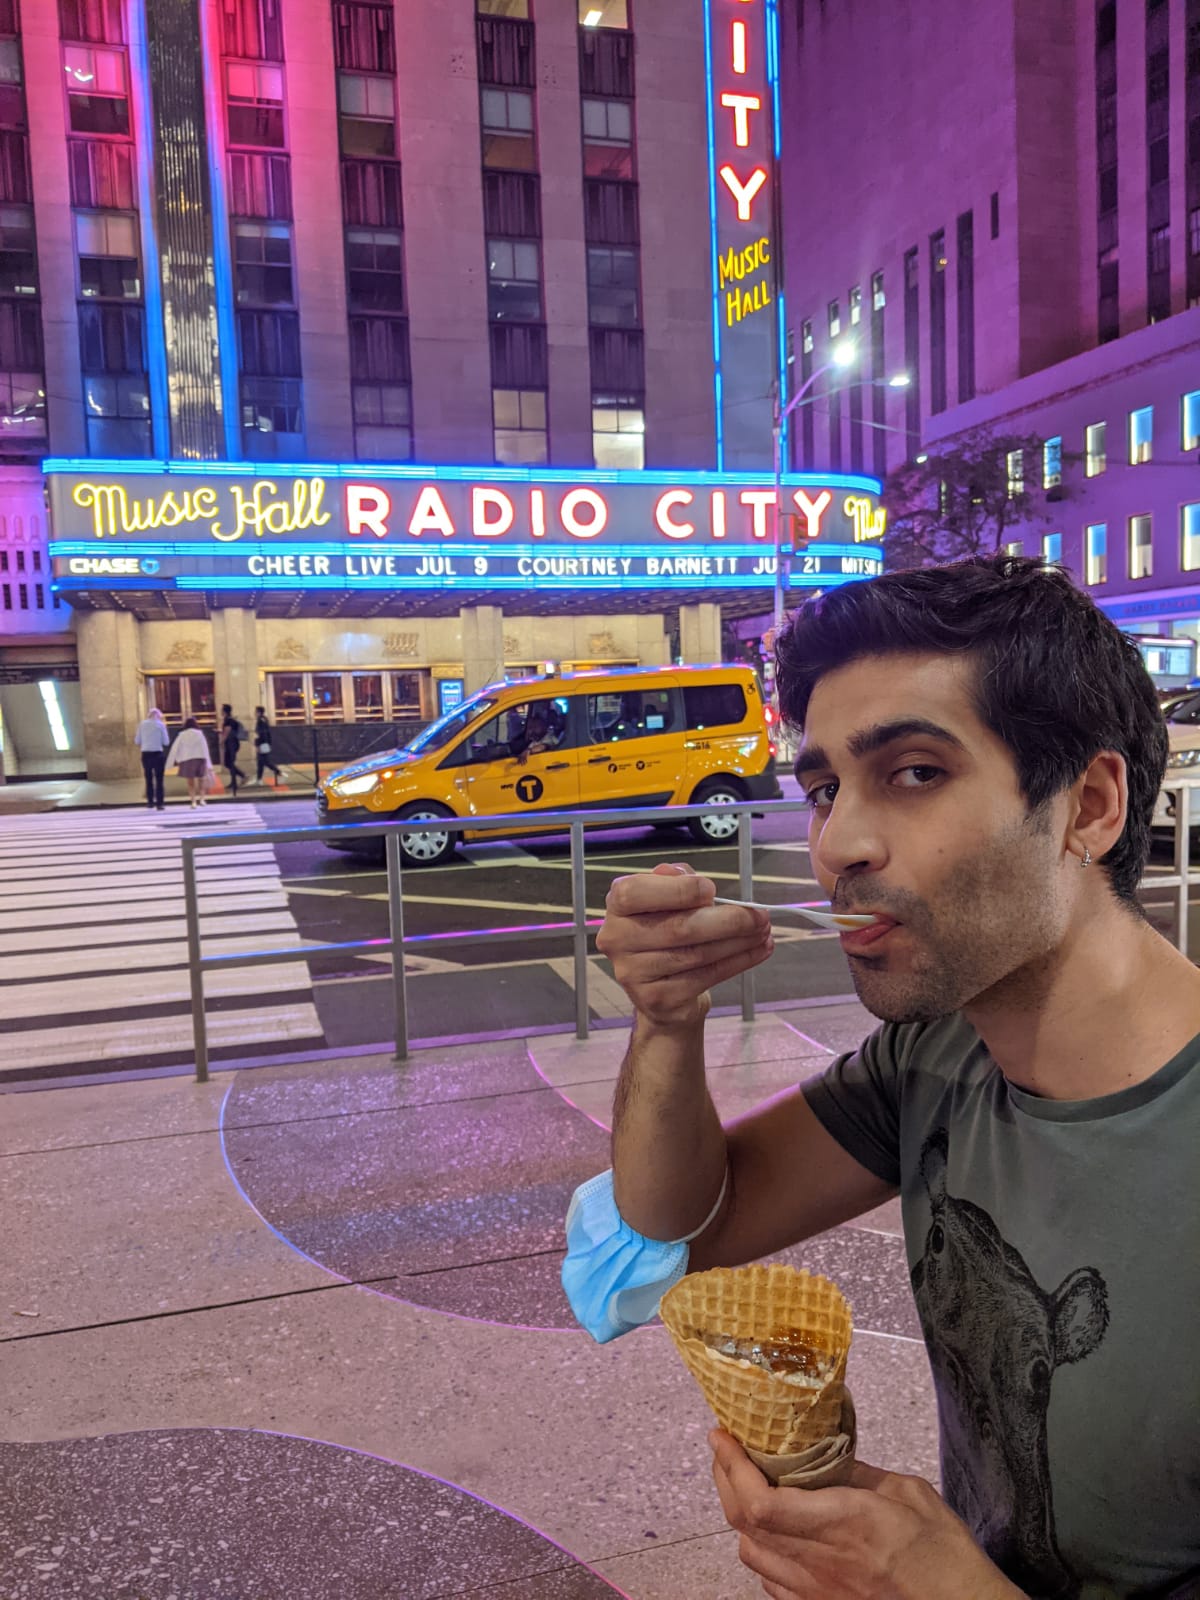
pixel 1055 679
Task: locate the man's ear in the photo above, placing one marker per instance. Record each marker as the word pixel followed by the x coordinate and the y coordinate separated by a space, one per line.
pixel 1099 806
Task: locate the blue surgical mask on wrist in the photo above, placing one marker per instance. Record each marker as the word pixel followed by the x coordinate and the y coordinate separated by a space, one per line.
pixel 613 1276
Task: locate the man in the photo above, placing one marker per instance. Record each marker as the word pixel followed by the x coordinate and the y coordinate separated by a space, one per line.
pixel 537 736
pixel 153 740
pixel 982 749
pixel 232 734
pixel 262 746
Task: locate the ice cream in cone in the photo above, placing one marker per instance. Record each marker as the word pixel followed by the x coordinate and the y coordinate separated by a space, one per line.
pixel 768 1346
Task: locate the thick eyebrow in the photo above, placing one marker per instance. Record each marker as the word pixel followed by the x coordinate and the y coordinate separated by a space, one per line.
pixel 877 737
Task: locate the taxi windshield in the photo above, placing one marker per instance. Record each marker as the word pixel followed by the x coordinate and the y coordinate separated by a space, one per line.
pixel 439 734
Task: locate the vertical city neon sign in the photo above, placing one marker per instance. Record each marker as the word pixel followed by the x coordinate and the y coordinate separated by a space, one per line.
pixel 742 58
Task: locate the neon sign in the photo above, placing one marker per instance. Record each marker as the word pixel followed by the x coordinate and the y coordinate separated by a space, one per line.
pixel 160 526
pixel 743 127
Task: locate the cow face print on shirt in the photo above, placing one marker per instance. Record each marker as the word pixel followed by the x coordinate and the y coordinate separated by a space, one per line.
pixel 995 1339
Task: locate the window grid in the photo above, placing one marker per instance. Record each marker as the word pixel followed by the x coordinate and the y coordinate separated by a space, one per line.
pixel 1190 420
pixel 1141 554
pixel 1141 436
pixel 1096 449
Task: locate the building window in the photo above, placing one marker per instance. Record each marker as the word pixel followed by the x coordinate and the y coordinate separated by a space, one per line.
pixel 22 409
pixel 101 175
pixel 1014 548
pixel 1191 420
pixel 1052 463
pixel 91 21
pixel 118 415
pixel 835 319
pixel 1190 528
pixel 253 29
pixel 603 13
pixel 1015 463
pixel 937 320
pixel 1141 556
pixel 502 8
pixel 878 298
pixel 363 36
pixel 912 349
pixel 618 434
pixel 254 104
pixel 607 139
pixel 613 288
pixel 107 248
pixel 272 418
pixel 1141 436
pixel 995 213
pixel 383 421
pixel 507 116
pixel 379 350
pixel 1096 449
pixel 855 305
pixel 1160 249
pixel 375 269
pixel 18 260
pixel 367 115
pixel 39 596
pixel 12 97
pixel 966 306
pixel 519 427
pixel 806 338
pixel 262 264
pixel 1051 548
pixel 260 185
pixel 514 281
pixel 97 96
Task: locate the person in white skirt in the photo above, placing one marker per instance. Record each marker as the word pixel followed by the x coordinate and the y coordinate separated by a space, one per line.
pixel 190 754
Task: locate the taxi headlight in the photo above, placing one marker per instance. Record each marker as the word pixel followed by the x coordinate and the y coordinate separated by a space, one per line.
pixel 362 785
pixel 1183 758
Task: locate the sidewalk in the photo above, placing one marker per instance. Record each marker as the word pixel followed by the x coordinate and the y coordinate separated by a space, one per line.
pixel 81 794
pixel 298 1333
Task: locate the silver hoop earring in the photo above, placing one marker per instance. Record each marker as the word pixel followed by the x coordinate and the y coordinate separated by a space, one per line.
pixel 1087 857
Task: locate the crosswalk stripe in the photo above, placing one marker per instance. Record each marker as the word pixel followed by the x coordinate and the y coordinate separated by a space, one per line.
pixel 93 942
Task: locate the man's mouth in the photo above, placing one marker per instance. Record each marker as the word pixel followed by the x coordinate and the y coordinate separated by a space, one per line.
pixel 861 940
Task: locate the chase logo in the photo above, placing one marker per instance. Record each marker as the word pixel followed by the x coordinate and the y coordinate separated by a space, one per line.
pixel 149 566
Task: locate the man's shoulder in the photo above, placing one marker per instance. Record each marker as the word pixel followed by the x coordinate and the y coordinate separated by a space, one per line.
pixel 941 1047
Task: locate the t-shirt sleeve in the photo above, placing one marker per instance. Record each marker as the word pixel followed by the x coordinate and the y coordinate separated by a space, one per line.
pixel 857 1100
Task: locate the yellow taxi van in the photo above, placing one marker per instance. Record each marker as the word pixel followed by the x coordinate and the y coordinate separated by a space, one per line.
pixel 625 738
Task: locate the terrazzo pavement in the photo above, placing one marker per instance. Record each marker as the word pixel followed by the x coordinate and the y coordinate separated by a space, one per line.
pixel 300 1334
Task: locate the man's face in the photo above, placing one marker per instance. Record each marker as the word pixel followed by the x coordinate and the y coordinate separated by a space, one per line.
pixel 918 817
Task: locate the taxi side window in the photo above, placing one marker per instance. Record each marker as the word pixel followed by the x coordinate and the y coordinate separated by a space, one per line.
pixel 714 705
pixel 528 727
pixel 632 714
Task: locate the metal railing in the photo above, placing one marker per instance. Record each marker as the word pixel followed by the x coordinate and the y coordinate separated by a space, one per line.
pixel 580 928
pixel 397 944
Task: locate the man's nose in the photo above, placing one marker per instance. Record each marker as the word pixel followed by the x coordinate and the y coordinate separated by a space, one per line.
pixel 850 840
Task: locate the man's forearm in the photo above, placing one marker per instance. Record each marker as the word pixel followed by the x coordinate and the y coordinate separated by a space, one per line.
pixel 668 1145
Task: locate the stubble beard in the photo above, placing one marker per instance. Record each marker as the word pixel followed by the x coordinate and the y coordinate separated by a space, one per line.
pixel 993 918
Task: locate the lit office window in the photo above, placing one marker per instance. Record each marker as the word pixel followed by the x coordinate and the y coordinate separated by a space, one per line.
pixel 835 319
pixel 1189 555
pixel 1141 556
pixel 618 435
pixel 604 13
pixel 502 8
pixel 1016 547
pixel 1052 463
pixel 1096 458
pixel 519 424
pixel 367 114
pixel 1141 435
pixel 109 257
pixel 1097 552
pixel 607 139
pixel 1051 548
pixel 255 104
pixel 97 96
pixel 1015 462
pixel 878 297
pixel 507 129
pixel 18 259
pixel 1191 420
pixel 806 338
pixel 855 305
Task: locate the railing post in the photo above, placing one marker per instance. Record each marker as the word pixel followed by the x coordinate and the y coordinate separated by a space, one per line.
pixel 191 911
pixel 579 917
pixel 746 892
pixel 1183 858
pixel 316 758
pixel 391 846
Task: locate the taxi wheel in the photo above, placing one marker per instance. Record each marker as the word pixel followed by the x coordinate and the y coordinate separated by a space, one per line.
pixel 716 827
pixel 425 849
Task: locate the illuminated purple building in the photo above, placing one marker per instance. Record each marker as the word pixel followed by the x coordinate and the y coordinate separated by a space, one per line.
pixel 1003 201
pixel 293 248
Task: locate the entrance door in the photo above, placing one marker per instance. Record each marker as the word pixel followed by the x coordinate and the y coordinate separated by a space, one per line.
pixel 522 761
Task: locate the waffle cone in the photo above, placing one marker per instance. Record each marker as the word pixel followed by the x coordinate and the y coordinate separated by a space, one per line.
pixel 763 1411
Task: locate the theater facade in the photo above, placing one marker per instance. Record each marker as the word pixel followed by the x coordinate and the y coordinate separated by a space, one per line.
pixel 369 599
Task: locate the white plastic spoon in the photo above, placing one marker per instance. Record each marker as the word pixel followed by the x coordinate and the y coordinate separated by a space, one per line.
pixel 823 919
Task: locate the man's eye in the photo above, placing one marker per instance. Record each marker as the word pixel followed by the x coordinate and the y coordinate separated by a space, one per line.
pixel 822 797
pixel 917 776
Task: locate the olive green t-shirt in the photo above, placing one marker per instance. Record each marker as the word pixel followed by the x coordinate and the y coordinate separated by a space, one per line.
pixel 1054 1253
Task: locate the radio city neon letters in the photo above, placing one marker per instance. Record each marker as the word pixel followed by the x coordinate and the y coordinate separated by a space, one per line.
pixel 228 511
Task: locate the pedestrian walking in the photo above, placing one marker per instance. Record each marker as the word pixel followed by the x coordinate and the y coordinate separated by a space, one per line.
pixel 262 746
pixel 190 754
pixel 232 734
pixel 152 739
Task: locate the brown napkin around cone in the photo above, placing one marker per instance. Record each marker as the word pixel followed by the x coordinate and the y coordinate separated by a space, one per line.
pixel 822 1466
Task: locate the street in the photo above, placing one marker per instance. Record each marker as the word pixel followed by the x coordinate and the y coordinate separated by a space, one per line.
pixel 93 976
